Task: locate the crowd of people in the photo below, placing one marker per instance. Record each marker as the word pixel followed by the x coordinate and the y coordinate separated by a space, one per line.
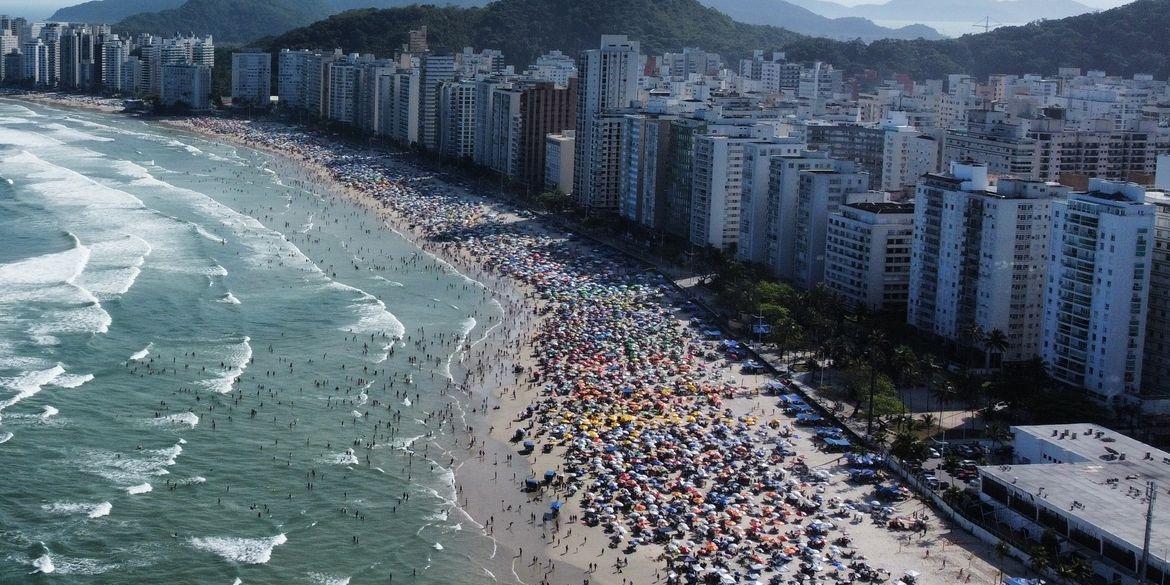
pixel 660 446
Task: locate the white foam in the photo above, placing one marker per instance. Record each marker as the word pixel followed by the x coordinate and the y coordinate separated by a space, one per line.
pixel 373 318
pixel 239 355
pixel 326 579
pixel 249 551
pixel 438 546
pixel 116 264
pixel 24 139
pixel 53 279
pixel 44 564
pixel 49 412
pixel 387 281
pixel 130 469
pixel 29 384
pixel 67 134
pixel 346 458
pixel 70 508
pixel 79 566
pixel 71 380
pixel 142 353
pixel 5 437
pixel 229 299
pixel 206 234
pixel 139 489
pixel 193 480
pixel 191 149
pixel 188 419
pixel 102 509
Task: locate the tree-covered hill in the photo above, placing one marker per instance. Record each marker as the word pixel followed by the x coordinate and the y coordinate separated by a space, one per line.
pixel 110 11
pixel 231 21
pixel 1126 40
pixel 525 28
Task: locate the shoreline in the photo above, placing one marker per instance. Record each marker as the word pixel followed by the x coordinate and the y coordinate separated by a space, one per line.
pixel 500 412
pixel 522 306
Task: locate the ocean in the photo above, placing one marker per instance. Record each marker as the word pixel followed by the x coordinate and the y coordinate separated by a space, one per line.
pixel 212 372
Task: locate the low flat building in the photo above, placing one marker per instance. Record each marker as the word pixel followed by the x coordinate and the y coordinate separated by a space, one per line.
pixel 1086 484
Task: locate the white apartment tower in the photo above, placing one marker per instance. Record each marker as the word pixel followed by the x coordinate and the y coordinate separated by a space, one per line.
pixel 1098 285
pixel 757 171
pixel 292 78
pixel 457 119
pixel 251 78
pixel 609 80
pixel 558 162
pixel 437 68
pixel 114 53
pixel 783 194
pixel 188 85
pixel 716 190
pixel 1156 363
pixel 820 192
pixel 979 257
pixel 867 254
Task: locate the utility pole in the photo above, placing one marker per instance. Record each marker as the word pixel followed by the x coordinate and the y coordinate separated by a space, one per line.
pixel 1151 496
pixel 985 25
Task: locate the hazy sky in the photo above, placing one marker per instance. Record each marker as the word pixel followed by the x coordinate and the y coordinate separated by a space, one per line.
pixel 43 8
pixel 1093 3
pixel 33 8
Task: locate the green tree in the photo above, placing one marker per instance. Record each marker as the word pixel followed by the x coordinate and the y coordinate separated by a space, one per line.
pixel 907 447
pixel 996 343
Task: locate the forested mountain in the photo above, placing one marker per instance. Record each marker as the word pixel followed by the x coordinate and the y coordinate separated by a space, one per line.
pixel 110 11
pixel 1126 40
pixel 525 28
pixel 795 18
pixel 1004 11
pixel 201 15
pixel 231 21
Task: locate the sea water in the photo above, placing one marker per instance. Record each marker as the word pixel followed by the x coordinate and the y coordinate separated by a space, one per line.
pixel 155 289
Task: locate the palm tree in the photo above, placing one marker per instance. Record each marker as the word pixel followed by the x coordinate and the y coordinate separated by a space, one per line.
pixel 875 354
pixel 905 365
pixel 929 369
pixel 927 420
pixel 1041 559
pixel 973 338
pixel 996 342
pixel 902 422
pixel 942 393
pixel 1074 569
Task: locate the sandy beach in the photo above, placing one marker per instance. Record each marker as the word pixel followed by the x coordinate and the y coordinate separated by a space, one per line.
pixel 667 463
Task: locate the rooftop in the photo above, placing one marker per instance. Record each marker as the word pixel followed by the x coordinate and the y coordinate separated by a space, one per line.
pixel 884 207
pixel 1106 489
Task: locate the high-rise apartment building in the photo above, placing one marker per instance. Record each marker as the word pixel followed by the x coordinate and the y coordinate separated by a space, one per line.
pixel 609 80
pixel 821 192
pixel 457 119
pixel 1098 285
pixel 437 68
pixel 867 255
pixel 757 172
pixel 251 78
pixel 894 153
pixel 783 195
pixel 186 85
pixel 979 258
